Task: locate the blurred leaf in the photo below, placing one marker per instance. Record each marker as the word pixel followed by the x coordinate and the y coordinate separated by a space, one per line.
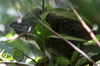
pixel 92 49
pixel 10 58
pixel 7 47
pixel 48 7
pixel 38 59
pixel 92 42
pixel 39 31
pixel 74 55
pixel 39 42
pixel 18 56
pixel 1 53
pixel 5 56
pixel 59 61
pixel 19 45
pixel 32 47
pixel 67 37
pixel 44 15
pixel 80 62
pixel 95 27
pixel 9 35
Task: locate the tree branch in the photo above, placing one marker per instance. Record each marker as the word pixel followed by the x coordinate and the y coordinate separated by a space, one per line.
pixel 84 25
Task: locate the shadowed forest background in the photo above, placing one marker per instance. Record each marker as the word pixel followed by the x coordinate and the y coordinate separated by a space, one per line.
pixel 30 29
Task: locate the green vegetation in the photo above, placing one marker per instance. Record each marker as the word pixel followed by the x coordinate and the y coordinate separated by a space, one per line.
pixel 25 40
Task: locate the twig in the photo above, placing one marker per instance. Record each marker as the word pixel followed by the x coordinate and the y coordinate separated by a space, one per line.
pixel 57 34
pixel 43 6
pixel 43 35
pixel 84 25
pixel 10 38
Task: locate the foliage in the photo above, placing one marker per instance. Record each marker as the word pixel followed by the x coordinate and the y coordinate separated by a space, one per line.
pixel 34 51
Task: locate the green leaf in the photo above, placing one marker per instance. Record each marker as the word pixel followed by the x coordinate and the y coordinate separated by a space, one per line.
pixel 41 33
pixel 9 35
pixel 48 7
pixel 91 42
pixel 38 59
pixel 44 15
pixel 80 62
pixel 5 56
pixel 75 55
pixel 19 45
pixel 18 56
pixel 7 47
pixel 39 30
pixel 39 42
pixel 61 61
pixel 66 37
